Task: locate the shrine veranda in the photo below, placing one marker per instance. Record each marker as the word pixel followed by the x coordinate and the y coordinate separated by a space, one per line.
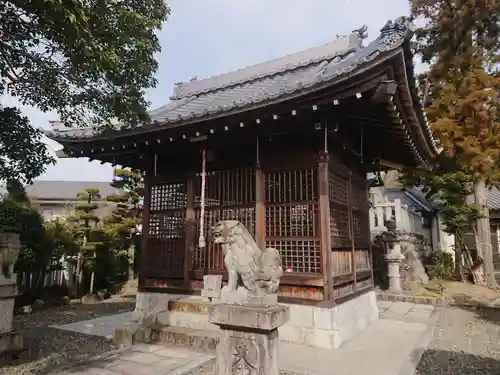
pixel 286 146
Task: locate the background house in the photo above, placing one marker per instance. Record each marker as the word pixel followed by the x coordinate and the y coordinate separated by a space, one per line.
pixel 57 199
pixel 413 214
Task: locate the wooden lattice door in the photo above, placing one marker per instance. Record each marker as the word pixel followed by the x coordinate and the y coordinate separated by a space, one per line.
pixel 229 195
pixel 166 231
pixel 292 218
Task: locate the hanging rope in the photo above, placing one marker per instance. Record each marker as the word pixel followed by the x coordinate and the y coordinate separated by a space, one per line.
pixel 201 239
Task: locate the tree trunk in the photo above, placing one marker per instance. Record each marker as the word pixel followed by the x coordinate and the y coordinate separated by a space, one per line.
pixel 131 262
pixel 483 241
pixel 459 267
pixel 70 268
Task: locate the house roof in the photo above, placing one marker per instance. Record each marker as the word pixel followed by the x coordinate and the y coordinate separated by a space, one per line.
pixel 250 85
pixel 492 201
pixel 413 196
pixel 269 82
pixel 65 190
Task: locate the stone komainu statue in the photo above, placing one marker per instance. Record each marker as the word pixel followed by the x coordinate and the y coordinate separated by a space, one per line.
pixel 257 270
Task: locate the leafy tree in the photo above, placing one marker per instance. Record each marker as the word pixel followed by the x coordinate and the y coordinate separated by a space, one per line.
pixel 86 232
pixel 448 188
pixel 123 221
pixel 17 216
pixel 89 61
pixel 23 155
pixel 60 235
pixel 460 41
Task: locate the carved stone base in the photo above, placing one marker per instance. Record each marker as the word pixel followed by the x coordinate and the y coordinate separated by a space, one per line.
pixel 249 343
pixel 11 343
pixel 243 297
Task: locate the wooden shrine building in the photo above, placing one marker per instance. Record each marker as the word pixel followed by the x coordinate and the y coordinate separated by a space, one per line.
pixel 286 146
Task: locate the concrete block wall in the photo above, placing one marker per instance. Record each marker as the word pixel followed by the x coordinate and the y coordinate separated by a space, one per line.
pixel 325 328
pixel 328 328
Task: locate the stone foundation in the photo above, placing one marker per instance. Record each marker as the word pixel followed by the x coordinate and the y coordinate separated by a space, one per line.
pixel 325 328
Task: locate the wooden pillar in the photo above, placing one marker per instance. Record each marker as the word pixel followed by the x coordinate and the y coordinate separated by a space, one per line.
pixel 324 213
pixel 145 228
pixel 368 231
pixel 351 230
pixel 190 228
pixel 260 209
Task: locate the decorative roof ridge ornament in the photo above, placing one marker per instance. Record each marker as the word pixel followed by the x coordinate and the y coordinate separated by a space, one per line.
pixel 394 33
pixel 361 32
pixel 359 35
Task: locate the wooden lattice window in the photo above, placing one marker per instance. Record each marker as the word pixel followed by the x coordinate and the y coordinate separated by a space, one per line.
pixel 291 218
pixel 360 218
pixel 168 196
pixel 211 258
pixel 338 194
pixel 166 230
pixel 229 195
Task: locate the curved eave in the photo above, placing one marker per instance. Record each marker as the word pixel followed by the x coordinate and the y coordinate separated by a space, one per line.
pixel 417 111
pixel 156 126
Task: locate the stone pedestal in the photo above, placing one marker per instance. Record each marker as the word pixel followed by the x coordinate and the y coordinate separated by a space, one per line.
pixel 212 285
pixel 10 341
pixel 394 262
pixel 250 342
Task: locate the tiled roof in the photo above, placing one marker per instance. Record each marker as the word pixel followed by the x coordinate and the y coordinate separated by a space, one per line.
pixel 273 80
pixel 65 190
pixel 493 200
pixel 338 47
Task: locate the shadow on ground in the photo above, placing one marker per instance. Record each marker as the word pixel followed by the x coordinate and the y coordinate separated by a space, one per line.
pixel 488 314
pixel 442 362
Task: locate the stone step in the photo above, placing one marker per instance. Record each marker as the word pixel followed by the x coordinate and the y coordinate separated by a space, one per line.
pixel 190 304
pixel 199 339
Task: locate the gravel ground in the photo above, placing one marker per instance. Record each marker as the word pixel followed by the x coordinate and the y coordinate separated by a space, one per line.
pixel 464 343
pixel 49 347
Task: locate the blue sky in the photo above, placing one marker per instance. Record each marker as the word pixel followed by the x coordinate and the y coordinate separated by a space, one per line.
pixel 207 37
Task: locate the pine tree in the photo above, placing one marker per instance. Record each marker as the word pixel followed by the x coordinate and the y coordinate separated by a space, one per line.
pixel 87 232
pixel 123 222
pixel 460 41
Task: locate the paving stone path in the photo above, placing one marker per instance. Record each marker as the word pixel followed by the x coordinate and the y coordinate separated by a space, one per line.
pixel 104 326
pixel 391 346
pixel 464 342
pixel 142 360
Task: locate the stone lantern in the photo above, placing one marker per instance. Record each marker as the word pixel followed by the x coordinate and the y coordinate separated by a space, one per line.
pixel 393 255
pixel 10 247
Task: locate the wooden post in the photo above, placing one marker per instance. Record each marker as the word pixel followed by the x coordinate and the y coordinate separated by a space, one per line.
pixel 260 209
pixel 324 213
pixel 368 232
pixel 145 228
pixel 190 225
pixel 351 230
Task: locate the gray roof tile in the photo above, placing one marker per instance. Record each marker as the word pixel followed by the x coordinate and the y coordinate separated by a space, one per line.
pixel 271 80
pixel 493 200
pixel 328 51
pixel 64 190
